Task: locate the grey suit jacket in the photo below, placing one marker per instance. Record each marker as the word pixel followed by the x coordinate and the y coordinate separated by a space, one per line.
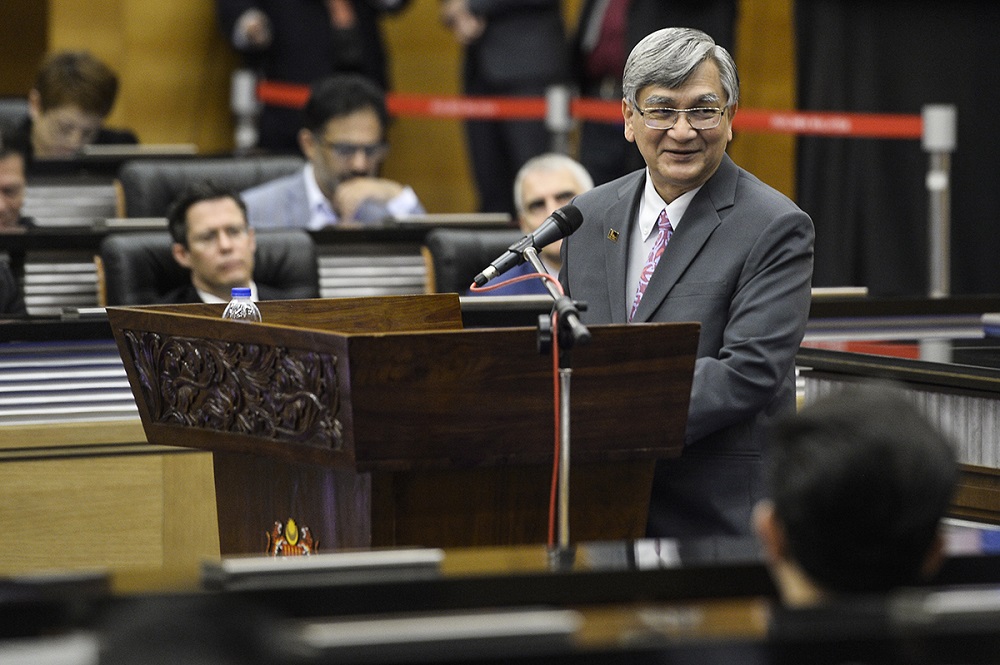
pixel 279 203
pixel 740 263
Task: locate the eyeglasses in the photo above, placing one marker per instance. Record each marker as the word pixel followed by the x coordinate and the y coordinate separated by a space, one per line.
pixel 232 233
pixel 699 118
pixel 372 151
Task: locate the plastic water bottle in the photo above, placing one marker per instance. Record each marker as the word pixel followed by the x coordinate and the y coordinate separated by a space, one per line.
pixel 241 307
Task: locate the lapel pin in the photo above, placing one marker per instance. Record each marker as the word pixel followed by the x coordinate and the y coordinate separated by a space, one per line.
pixel 613 235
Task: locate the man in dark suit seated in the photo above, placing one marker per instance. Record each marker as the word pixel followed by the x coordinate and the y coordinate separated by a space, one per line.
pixel 859 482
pixel 71 98
pixel 12 187
pixel 545 183
pixel 213 239
pixel 11 300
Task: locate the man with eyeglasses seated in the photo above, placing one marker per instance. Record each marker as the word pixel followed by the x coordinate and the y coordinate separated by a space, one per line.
pixel 343 139
pixel 213 240
pixel 693 237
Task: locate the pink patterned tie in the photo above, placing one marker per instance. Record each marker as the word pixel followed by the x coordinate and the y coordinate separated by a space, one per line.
pixel 654 257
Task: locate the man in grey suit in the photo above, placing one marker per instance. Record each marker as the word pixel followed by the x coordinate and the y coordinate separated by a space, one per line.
pixel 343 139
pixel 693 237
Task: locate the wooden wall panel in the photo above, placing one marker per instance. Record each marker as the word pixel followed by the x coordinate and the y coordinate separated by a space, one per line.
pixel 93 497
pixel 173 65
pixel 765 55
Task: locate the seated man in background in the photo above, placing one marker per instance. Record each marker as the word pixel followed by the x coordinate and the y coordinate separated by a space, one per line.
pixel 213 240
pixel 858 482
pixel 71 98
pixel 11 300
pixel 543 184
pixel 344 142
pixel 12 186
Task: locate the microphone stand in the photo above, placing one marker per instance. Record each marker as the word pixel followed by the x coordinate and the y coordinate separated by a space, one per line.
pixel 569 333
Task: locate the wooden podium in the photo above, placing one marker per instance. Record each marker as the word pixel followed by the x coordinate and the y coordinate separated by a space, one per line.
pixel 381 422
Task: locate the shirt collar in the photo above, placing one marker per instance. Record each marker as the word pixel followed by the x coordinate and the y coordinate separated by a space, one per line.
pixel 651 204
pixel 320 211
pixel 211 297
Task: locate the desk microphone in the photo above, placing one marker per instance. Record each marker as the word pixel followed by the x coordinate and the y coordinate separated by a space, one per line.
pixel 559 224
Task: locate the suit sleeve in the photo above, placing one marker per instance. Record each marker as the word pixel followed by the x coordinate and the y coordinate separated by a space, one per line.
pixel 766 323
pixel 489 8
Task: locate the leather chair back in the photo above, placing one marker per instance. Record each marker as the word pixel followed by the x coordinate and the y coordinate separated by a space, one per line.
pixel 455 256
pixel 148 186
pixel 139 268
pixel 13 110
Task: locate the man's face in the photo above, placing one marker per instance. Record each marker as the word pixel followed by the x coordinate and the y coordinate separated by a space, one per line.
pixel 11 190
pixel 681 158
pixel 542 193
pixel 61 132
pixel 220 247
pixel 348 147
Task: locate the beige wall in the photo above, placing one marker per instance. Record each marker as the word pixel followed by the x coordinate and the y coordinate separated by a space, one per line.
pixel 175 80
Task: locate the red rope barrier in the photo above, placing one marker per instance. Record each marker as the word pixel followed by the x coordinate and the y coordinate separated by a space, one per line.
pixel 856 125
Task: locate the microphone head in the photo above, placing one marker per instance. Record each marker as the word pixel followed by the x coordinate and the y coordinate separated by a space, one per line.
pixel 568 218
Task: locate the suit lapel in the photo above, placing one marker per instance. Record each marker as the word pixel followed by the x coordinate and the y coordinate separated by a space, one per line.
pixel 697 226
pixel 619 221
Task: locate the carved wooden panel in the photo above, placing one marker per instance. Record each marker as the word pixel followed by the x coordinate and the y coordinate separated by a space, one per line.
pixel 260 390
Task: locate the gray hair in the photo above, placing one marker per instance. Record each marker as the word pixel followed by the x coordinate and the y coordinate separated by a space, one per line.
pixel 549 162
pixel 669 56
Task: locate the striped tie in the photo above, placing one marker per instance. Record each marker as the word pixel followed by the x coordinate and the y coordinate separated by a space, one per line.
pixel 654 257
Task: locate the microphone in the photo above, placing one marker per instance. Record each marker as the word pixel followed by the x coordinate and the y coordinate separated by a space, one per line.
pixel 559 224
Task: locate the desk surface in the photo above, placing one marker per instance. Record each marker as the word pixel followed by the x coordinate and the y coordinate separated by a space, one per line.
pixel 616 602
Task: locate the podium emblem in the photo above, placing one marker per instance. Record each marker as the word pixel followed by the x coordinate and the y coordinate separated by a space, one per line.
pixel 289 539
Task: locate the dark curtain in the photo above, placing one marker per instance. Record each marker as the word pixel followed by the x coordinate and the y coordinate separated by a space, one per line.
pixel 868 196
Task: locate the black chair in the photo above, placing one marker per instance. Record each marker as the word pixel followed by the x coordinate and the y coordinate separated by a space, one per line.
pixel 147 187
pixel 13 111
pixel 453 257
pixel 139 268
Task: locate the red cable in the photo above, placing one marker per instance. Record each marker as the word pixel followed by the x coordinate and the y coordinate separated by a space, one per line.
pixel 556 418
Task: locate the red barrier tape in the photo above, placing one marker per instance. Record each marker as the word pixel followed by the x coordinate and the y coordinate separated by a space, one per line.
pixel 859 125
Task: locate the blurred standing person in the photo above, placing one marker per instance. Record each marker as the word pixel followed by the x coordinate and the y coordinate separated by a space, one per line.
pixel 513 48
pixel 606 33
pixel 302 41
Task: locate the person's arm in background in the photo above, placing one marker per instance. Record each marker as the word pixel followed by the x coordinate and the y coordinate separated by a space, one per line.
pixel 244 24
pixel 467 18
pixel 388 5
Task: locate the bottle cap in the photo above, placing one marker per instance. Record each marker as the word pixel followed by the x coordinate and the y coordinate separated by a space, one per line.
pixel 241 292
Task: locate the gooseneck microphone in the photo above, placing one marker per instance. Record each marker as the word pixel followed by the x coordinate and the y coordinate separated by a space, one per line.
pixel 559 224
